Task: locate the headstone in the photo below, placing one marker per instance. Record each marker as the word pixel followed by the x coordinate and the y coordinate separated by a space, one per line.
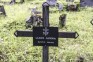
pixel 72 7
pixel 54 3
pixel 60 6
pixel 2 10
pixel 84 3
pixel 62 20
pixel 34 21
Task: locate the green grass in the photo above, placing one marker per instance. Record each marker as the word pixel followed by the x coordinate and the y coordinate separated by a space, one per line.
pixel 14 49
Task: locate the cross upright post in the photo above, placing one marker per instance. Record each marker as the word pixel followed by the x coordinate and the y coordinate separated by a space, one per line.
pixel 45 8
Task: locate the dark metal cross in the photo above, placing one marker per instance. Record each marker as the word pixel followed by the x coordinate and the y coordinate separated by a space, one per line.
pixel 45 8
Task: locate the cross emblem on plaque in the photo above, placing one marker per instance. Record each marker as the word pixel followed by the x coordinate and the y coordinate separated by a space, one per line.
pixel 45 31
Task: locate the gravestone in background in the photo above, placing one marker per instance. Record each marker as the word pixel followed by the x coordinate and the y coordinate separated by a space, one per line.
pixel 84 3
pixel 62 20
pixel 2 10
pixel 52 2
pixel 72 7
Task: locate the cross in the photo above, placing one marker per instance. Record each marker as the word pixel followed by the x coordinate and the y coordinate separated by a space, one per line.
pixel 46 28
pixel 45 31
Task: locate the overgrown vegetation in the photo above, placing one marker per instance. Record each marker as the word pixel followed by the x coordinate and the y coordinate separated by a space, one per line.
pixel 14 49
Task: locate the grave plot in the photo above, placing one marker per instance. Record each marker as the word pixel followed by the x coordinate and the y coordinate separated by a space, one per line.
pixel 45 36
pixel 84 3
pixel 2 10
pixel 35 19
pixel 71 6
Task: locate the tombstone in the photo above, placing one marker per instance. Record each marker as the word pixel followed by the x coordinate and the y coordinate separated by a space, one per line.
pixel 84 3
pixel 34 21
pixel 54 3
pixel 72 7
pixel 60 6
pixel 62 20
pixel 2 10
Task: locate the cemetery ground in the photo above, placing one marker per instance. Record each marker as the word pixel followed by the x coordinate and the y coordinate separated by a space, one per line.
pixel 14 49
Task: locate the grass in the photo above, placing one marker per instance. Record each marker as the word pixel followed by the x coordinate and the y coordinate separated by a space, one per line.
pixel 14 49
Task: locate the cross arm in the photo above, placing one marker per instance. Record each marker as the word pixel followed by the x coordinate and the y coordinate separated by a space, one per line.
pixel 68 35
pixel 20 33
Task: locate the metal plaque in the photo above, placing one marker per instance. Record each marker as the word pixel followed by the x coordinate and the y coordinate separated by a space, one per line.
pixel 45 36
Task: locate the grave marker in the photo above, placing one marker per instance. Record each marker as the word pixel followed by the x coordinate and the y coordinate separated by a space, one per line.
pixel 54 3
pixel 44 32
pixel 71 6
pixel 35 19
pixel 45 36
pixel 84 3
pixel 62 20
pixel 2 10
